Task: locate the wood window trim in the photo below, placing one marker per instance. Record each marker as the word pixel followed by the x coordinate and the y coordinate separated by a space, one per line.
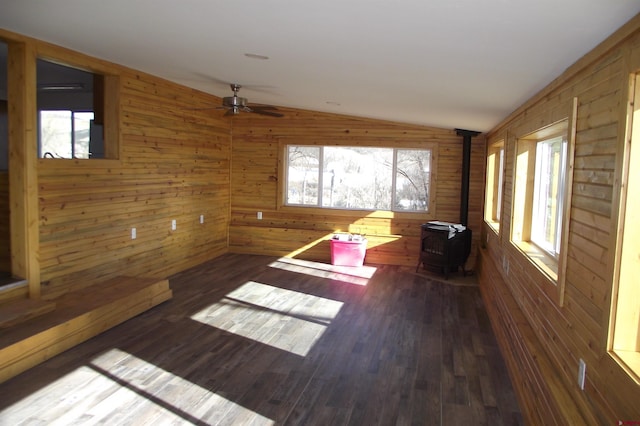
pixel 493 190
pixel 544 262
pixel 378 214
pixel 551 268
pixel 108 99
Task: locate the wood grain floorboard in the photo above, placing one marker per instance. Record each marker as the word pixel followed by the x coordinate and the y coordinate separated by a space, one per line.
pixel 254 340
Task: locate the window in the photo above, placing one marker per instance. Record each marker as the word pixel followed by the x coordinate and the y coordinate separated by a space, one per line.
pixel 625 336
pixel 494 182
pixel 540 190
pixel 65 134
pixel 77 113
pixel 358 178
pixel 548 193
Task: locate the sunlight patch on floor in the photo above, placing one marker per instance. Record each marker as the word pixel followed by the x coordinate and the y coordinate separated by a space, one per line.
pixel 358 275
pixel 120 388
pixel 173 398
pixel 67 409
pixel 285 319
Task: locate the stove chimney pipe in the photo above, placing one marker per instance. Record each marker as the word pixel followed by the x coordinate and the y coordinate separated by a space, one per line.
pixel 466 166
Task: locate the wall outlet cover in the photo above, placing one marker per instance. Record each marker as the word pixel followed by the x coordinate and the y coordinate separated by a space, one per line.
pixel 582 374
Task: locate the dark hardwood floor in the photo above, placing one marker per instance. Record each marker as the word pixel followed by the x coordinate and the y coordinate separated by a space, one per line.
pixel 259 340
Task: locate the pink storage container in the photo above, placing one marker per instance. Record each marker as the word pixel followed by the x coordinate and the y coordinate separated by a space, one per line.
pixel 348 253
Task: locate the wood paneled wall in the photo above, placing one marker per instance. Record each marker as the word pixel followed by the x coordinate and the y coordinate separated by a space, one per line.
pixel 542 340
pixel 173 165
pixel 256 184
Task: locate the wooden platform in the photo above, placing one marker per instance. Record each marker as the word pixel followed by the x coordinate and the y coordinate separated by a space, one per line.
pixel 77 317
pixel 19 311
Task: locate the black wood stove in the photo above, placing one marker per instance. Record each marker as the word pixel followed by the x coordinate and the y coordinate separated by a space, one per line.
pixel 444 247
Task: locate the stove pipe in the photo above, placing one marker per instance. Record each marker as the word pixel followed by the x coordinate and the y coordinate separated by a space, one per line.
pixel 466 166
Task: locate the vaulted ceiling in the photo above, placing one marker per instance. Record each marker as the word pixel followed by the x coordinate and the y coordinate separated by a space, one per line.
pixel 447 63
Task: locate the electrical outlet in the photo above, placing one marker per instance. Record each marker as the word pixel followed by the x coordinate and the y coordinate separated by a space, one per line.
pixel 201 218
pixel 134 234
pixel 505 264
pixel 259 215
pixel 582 374
pixel 173 225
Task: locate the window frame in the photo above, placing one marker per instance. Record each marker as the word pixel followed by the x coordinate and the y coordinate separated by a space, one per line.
pixel 283 171
pixel 560 187
pixel 106 106
pixel 494 190
pixel 552 268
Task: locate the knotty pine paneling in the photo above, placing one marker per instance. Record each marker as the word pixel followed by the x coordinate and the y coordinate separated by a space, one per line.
pixel 543 341
pixel 303 232
pixel 5 234
pixel 173 165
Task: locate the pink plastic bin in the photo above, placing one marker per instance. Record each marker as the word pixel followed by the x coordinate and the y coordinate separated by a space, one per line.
pixel 348 253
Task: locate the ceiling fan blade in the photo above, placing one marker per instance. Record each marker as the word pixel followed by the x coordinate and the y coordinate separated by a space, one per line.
pixel 204 108
pixel 263 107
pixel 266 111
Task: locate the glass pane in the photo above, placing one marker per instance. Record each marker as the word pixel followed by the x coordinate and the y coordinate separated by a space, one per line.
pixel 303 175
pixel 413 173
pixel 357 178
pixel 547 202
pixel 55 134
pixel 81 133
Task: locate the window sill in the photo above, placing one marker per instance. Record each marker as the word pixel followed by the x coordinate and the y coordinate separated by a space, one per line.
pixel 541 259
pixel 378 214
pixel 629 361
pixel 493 225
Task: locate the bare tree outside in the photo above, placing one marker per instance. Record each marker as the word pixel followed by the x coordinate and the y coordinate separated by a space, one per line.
pixel 413 174
pixel 302 175
pixel 357 178
pixel 65 134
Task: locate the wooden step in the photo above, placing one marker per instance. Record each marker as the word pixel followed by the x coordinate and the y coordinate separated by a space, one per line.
pixel 15 312
pixel 13 289
pixel 77 317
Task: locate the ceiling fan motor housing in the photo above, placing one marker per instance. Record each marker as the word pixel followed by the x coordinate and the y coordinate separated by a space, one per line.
pixel 234 101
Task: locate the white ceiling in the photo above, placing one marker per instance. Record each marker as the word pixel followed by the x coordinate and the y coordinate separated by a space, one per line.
pixel 444 63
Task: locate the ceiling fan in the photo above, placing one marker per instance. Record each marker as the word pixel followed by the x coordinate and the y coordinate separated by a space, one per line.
pixel 236 104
